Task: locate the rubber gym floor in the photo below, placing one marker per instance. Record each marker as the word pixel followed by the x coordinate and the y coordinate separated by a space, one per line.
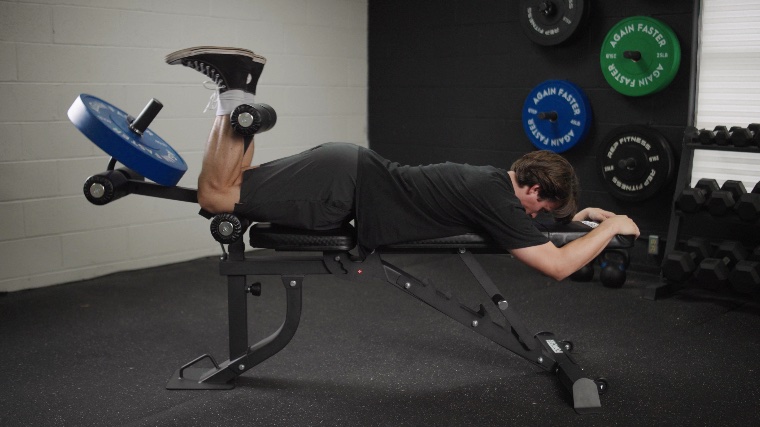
pixel 99 352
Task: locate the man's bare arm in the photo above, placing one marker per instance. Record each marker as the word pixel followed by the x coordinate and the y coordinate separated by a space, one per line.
pixel 559 263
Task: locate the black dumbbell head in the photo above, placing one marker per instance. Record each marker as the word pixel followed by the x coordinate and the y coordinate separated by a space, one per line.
pixel 740 137
pixel 692 199
pixel 708 185
pixel 712 273
pixel 678 266
pixel 706 137
pixel 736 188
pixel 731 250
pixel 748 207
pixel 745 277
pixel 755 255
pixel 722 135
pixel 700 247
pixel 722 201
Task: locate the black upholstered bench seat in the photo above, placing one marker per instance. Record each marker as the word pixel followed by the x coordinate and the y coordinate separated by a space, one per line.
pixel 269 236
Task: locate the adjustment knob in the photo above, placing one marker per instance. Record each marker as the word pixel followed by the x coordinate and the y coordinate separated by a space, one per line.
pixel 254 289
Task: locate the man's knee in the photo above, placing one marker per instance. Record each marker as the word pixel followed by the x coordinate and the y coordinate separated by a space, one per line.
pixel 216 200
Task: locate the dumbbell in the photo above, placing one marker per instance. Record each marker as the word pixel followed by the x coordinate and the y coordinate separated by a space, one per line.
pixel 745 277
pixel 706 137
pixel 613 264
pixel 250 119
pixel 748 206
pixel 721 135
pixel 679 265
pixel 692 199
pixel 713 272
pixel 755 129
pixel 723 200
pixel 740 137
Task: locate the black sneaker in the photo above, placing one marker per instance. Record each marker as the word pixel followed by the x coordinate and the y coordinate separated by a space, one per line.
pixel 229 67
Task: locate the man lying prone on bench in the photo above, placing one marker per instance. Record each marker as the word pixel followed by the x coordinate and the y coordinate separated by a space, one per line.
pixel 329 185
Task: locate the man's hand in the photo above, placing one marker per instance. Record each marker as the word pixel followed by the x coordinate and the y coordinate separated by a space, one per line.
pixel 621 224
pixel 593 214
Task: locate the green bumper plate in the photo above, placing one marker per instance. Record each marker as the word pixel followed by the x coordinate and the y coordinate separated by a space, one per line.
pixel 640 56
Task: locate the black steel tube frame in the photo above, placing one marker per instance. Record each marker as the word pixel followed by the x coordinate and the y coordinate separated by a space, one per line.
pixel 542 350
pixel 150 189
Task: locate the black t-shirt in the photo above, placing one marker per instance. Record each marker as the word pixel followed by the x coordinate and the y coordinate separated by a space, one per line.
pixel 398 203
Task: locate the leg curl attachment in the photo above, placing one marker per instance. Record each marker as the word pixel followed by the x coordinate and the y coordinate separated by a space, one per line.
pixel 250 119
pixel 110 185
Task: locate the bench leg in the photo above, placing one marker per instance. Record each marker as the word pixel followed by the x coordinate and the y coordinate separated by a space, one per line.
pixel 543 349
pixel 242 357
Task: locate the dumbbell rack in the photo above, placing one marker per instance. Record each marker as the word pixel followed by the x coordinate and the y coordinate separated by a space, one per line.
pixel 702 224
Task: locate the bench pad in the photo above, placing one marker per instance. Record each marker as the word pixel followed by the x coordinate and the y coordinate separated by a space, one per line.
pixel 269 236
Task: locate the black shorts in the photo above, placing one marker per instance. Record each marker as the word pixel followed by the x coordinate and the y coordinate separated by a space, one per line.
pixel 314 190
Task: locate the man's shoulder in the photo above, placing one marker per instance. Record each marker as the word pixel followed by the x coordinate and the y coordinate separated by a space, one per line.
pixel 488 176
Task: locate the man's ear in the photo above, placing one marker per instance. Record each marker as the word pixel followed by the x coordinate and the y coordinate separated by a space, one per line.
pixel 535 189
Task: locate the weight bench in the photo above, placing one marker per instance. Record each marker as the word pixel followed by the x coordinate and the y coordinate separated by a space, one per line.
pixel 333 257
pixel 145 154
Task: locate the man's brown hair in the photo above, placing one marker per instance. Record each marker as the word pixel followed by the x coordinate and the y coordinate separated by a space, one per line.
pixel 555 177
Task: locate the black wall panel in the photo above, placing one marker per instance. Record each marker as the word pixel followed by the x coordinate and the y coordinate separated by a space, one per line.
pixel 448 78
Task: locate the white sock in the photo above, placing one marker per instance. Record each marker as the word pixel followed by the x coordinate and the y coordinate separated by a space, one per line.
pixel 229 100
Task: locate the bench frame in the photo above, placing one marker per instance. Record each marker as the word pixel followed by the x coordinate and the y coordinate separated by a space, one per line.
pixel 542 349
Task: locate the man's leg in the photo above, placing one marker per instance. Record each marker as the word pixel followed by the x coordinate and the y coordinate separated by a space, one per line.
pixel 224 160
pixel 236 73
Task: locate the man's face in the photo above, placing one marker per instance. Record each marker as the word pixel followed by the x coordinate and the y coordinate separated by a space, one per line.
pixel 533 204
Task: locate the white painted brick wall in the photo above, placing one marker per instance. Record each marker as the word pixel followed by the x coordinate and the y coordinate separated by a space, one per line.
pixel 53 50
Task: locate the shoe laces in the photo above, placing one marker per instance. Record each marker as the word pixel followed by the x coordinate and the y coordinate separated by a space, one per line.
pixel 207 70
pixel 213 100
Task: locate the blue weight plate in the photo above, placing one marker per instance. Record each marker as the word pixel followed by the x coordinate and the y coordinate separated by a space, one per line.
pixel 108 127
pixel 556 115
